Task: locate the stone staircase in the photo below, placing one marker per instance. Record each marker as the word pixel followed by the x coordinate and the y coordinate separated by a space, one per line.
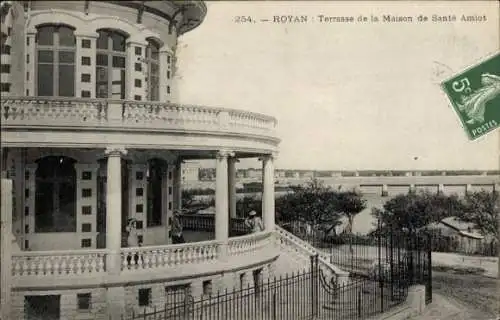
pixel 295 255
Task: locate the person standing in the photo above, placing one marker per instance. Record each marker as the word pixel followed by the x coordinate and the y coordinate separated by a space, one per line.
pixel 177 236
pixel 132 239
pixel 253 222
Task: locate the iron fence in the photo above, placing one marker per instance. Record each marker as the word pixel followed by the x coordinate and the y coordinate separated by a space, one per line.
pixel 308 294
pixel 287 297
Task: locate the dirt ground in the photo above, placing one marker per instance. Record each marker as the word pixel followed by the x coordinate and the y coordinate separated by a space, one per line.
pixel 478 293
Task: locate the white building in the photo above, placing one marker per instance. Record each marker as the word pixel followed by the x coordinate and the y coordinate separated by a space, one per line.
pixel 92 135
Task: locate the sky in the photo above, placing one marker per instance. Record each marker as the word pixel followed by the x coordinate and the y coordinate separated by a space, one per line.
pixel 347 96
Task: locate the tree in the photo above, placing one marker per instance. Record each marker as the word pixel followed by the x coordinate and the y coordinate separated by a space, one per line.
pixel 314 204
pixel 349 204
pixel 482 209
pixel 413 211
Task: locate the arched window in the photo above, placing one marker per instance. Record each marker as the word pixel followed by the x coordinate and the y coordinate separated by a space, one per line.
pixel 153 70
pixel 55 200
pixel 56 46
pixel 155 175
pixel 110 65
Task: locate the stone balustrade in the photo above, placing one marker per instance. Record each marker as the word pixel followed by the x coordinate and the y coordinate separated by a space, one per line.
pixel 54 263
pixel 303 249
pixel 249 243
pixel 102 113
pixel 154 257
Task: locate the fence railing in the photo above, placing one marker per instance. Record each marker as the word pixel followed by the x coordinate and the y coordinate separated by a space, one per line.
pixel 382 256
pixel 302 295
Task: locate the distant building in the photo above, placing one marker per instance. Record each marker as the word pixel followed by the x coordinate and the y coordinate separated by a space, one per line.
pixel 308 174
pixel 254 173
pixel 466 238
pixel 190 171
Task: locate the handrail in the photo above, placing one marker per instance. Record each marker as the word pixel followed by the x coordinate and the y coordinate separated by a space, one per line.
pixel 322 257
pixel 173 246
pixel 58 252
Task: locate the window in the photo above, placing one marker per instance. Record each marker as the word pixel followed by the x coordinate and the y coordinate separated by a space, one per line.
pixel 56 61
pixel 86 243
pixel 85 77
pixel 85 94
pixel 86 61
pixel 84 301
pixel 144 297
pixel 5 87
pixel 207 287
pixel 153 70
pixel 137 98
pixel 86 43
pixel 137 83
pixel 138 66
pixel 86 193
pixel 139 192
pixel 55 195
pixel 110 65
pixel 86 227
pixel 5 68
pixel 86 210
pixel 86 175
pixel 156 167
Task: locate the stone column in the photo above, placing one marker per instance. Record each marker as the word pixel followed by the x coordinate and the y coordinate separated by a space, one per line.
pixel 114 208
pixel 440 188
pixel 168 205
pixel 221 201
pixel 6 249
pixel 385 191
pixel 268 192
pixel 231 172
pixel 178 185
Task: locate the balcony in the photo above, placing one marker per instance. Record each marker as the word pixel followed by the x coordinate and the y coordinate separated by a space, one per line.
pixel 75 268
pixel 23 118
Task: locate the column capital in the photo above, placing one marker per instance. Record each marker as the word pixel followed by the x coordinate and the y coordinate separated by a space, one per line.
pixel 115 151
pixel 224 154
pixel 270 156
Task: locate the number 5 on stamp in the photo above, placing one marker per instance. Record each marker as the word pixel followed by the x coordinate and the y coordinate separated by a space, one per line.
pixel 475 96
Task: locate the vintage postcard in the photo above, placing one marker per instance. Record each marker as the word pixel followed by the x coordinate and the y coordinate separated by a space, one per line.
pixel 250 160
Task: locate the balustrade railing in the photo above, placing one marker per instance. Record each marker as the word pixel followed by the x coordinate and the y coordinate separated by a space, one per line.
pixel 303 249
pixel 249 243
pixel 46 111
pixel 50 263
pixel 154 257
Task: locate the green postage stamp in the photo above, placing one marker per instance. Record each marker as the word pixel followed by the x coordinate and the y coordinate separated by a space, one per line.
pixel 475 95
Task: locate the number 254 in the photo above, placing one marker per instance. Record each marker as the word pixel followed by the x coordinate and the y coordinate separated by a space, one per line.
pixel 461 85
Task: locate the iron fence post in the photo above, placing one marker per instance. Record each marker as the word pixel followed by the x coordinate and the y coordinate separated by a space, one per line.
pixel 429 268
pixel 391 263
